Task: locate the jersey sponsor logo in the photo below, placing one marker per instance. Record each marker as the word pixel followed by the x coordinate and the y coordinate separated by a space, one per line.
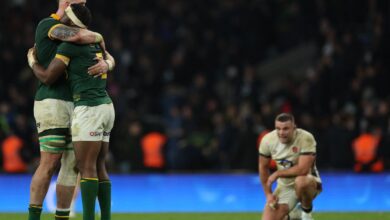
pixel 95 133
pixel 285 163
pixel 106 133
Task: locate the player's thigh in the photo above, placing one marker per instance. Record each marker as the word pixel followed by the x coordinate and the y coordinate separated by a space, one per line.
pixel 286 195
pixel 91 123
pixel 86 153
pixel 308 184
pixel 53 124
pixel 52 114
pixel 103 152
pixel 108 120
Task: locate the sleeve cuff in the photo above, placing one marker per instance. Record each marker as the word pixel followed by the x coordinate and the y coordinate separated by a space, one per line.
pixel 263 155
pixel 64 59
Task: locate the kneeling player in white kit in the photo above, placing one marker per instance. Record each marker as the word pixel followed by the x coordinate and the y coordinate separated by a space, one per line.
pixel 298 181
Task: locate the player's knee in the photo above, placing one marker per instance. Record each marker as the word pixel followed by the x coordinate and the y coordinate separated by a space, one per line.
pixel 86 169
pixel 49 163
pixel 279 213
pixel 68 172
pixel 67 175
pixel 302 182
pixel 48 168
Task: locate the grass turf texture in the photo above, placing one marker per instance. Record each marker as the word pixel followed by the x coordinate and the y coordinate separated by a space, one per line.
pixel 211 216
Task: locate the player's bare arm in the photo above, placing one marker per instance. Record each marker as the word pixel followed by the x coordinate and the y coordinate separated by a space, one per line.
pixel 74 34
pixel 305 162
pixel 47 76
pixel 264 174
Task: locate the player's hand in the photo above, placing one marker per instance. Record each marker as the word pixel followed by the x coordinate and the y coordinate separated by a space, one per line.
pixel 272 201
pixel 100 68
pixel 31 58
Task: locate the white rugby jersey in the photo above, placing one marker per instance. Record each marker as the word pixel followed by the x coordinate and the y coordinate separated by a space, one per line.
pixel 286 155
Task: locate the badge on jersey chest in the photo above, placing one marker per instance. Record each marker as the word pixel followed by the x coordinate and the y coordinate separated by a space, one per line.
pixel 285 163
pixel 295 149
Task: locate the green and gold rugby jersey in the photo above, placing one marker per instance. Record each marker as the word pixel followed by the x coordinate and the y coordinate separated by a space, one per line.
pixel 287 155
pixel 87 90
pixel 46 50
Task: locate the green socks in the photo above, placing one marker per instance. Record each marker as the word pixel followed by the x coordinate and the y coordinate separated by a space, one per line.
pixel 89 190
pixel 62 214
pixel 104 197
pixel 34 212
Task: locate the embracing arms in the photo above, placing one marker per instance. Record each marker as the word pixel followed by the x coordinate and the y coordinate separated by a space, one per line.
pixel 83 36
pixel 74 34
pixel 49 75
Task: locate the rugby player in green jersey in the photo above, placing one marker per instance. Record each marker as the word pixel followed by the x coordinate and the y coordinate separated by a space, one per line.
pixel 93 116
pixel 53 107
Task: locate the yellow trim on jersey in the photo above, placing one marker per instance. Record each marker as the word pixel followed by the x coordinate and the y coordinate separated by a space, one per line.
pixel 90 179
pixel 55 16
pixel 51 29
pixel 64 59
pixel 104 75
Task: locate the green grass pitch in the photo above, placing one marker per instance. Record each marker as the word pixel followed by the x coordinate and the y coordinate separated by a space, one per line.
pixel 212 216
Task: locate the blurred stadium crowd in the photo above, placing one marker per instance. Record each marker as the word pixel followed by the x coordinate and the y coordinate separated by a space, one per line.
pixel 187 89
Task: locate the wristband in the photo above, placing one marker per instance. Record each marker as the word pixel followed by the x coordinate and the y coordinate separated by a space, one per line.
pixel 109 64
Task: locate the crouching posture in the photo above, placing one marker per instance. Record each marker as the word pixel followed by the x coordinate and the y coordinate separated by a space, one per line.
pixel 298 181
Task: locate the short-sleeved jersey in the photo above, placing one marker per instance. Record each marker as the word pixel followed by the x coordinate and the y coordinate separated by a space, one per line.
pixel 287 155
pixel 86 90
pixel 46 50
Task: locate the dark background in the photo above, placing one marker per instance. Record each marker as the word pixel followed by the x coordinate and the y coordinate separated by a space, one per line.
pixel 192 71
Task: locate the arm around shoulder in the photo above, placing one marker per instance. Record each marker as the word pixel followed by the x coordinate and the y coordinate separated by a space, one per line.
pixel 74 34
pixel 49 75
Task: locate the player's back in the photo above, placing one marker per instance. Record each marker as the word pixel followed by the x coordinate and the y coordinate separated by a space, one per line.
pixel 87 90
pixel 46 50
